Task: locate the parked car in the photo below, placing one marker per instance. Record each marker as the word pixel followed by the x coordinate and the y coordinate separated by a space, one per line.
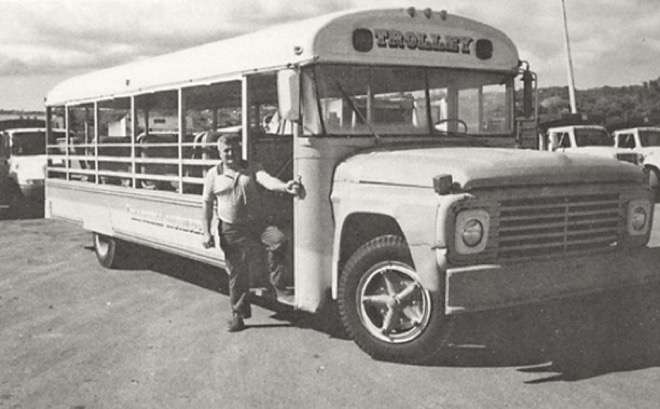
pixel 646 142
pixel 22 166
pixel 588 139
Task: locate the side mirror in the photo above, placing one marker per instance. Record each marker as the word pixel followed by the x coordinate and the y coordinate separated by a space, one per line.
pixel 528 93
pixel 288 94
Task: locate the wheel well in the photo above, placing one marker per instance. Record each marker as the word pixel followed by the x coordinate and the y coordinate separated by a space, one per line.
pixel 652 168
pixel 359 228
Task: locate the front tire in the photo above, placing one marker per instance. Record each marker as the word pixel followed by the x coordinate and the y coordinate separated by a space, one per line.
pixel 384 307
pixel 109 251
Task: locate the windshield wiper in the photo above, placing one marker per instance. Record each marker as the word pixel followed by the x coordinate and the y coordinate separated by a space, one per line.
pixel 355 109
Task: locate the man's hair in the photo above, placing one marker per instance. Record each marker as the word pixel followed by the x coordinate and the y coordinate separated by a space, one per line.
pixel 229 139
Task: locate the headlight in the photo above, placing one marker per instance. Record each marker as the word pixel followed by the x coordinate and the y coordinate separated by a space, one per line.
pixel 639 217
pixel 471 233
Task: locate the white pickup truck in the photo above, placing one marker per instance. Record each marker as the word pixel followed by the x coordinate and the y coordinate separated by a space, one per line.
pixel 588 139
pixel 644 141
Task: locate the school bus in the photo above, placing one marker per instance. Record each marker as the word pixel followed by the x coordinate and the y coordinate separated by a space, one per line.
pixel 401 125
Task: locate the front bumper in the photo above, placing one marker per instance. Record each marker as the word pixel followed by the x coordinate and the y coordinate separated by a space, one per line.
pixel 484 287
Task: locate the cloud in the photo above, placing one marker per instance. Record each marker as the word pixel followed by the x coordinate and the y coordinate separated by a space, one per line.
pixel 40 36
pixel 73 34
pixel 12 66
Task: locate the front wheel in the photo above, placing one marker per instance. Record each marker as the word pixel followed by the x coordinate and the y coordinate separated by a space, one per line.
pixel 385 308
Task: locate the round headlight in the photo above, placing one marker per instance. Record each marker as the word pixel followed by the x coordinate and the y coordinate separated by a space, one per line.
pixel 638 218
pixel 473 232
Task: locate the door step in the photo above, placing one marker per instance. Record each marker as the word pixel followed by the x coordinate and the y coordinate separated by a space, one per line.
pixel 287 299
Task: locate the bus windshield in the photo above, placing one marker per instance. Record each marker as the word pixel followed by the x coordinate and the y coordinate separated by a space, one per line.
pixel 649 138
pixel 592 137
pixel 354 99
pixel 28 143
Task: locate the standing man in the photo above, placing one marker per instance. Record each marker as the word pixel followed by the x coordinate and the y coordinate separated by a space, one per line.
pixel 232 185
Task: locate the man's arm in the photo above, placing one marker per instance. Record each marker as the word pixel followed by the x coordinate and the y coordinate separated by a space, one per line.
pixel 276 185
pixel 207 209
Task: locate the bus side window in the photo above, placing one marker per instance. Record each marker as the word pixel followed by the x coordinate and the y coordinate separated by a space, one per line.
pixel 210 110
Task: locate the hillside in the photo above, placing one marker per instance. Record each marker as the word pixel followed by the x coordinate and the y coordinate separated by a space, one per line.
pixel 613 107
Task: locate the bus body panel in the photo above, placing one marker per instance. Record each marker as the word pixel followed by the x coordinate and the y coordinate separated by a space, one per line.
pixel 150 219
pixel 415 219
pixel 315 161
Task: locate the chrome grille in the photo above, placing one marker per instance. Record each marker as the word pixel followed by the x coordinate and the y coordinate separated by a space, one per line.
pixel 556 225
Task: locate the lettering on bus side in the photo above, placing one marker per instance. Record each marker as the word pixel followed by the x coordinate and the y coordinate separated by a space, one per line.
pixel 387 38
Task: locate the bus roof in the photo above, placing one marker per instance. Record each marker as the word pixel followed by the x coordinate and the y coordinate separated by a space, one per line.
pixel 387 36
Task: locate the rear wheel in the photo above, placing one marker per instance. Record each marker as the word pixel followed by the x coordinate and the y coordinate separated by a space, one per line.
pixel 385 308
pixel 110 252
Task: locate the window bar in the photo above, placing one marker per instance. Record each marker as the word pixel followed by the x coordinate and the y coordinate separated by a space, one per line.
pixel 480 109
pixel 245 124
pixel 134 120
pixel 509 104
pixel 66 141
pixel 182 129
pixel 49 138
pixel 96 142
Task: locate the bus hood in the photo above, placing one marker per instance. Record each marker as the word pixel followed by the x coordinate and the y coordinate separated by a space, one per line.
pixel 473 168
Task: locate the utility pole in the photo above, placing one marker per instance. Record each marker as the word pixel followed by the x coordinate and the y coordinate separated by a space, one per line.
pixel 569 62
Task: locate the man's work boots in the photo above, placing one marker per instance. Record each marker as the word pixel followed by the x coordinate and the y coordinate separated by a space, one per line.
pixel 236 324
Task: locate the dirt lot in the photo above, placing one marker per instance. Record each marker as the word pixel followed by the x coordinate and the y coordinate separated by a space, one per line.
pixel 74 335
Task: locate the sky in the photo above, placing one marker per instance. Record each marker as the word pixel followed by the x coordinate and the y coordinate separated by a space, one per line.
pixel 43 42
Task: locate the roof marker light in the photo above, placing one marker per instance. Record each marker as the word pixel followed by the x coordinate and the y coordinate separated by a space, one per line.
pixel 363 40
pixel 428 12
pixel 443 14
pixel 411 11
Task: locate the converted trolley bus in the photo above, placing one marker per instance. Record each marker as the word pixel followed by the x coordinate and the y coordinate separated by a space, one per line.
pixel 400 125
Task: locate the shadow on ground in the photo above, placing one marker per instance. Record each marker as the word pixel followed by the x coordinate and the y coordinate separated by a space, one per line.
pixel 27 210
pixel 569 340
pixel 215 279
pixel 566 340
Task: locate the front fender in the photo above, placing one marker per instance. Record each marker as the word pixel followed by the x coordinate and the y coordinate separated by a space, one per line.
pixel 416 210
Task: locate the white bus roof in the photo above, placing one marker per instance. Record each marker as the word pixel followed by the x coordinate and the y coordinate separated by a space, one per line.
pixel 328 38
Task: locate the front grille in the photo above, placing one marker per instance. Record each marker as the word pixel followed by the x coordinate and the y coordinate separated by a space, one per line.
pixel 628 157
pixel 556 225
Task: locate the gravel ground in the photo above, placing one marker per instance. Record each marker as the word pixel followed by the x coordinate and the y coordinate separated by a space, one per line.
pixel 74 335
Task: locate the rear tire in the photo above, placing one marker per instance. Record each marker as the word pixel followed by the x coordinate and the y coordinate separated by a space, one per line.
pixel 384 307
pixel 110 252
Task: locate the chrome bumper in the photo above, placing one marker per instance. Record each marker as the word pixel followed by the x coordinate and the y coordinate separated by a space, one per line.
pixel 484 287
